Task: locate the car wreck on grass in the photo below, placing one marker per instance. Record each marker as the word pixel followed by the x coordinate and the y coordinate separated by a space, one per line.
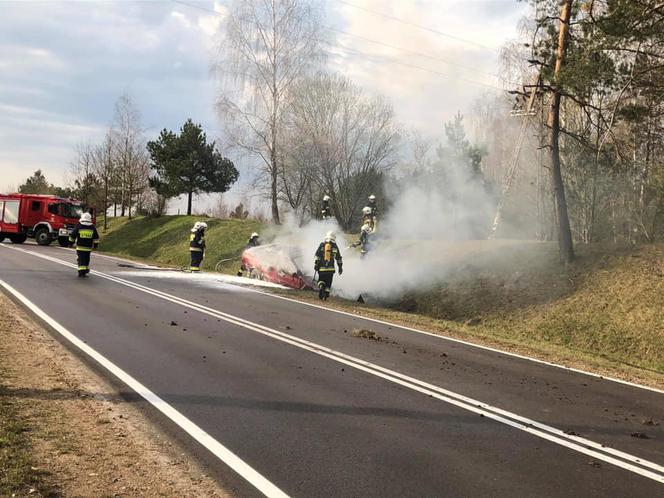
pixel 277 264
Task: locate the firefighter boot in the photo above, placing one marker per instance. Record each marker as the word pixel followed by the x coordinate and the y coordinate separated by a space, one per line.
pixel 321 290
pixel 81 273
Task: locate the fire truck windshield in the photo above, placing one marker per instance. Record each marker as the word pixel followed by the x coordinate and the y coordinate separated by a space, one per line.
pixel 71 211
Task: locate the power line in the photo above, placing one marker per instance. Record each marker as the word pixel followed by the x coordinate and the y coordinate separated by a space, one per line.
pixel 391 59
pixel 414 52
pixel 419 26
pixel 414 66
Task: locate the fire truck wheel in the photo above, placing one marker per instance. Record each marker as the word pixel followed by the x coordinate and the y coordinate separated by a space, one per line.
pixel 63 241
pixel 18 238
pixel 2 237
pixel 42 237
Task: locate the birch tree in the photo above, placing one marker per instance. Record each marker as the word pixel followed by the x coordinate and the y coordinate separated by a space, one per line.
pixel 269 46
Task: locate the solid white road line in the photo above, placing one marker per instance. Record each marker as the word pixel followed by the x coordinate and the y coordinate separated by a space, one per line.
pixel 212 445
pixel 438 336
pixel 621 459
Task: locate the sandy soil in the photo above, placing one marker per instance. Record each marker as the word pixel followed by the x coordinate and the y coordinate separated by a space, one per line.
pixel 88 440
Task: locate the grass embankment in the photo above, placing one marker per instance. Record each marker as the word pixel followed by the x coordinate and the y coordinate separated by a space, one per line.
pixel 609 303
pixel 165 239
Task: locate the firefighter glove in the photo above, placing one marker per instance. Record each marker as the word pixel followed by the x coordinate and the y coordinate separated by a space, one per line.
pixel 341 269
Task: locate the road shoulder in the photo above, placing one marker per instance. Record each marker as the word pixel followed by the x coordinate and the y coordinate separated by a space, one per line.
pixel 75 436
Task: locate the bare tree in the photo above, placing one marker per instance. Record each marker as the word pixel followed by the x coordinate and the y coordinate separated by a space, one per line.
pixel 270 45
pixel 104 168
pixel 83 171
pixel 344 141
pixel 130 154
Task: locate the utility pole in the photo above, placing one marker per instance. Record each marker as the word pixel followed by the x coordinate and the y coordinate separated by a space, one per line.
pixel 564 233
pixel 510 176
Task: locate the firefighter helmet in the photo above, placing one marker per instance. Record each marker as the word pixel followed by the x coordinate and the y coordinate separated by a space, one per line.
pixel 366 210
pixel 372 197
pixel 254 236
pixel 86 219
pixel 331 236
pixel 366 228
pixel 326 198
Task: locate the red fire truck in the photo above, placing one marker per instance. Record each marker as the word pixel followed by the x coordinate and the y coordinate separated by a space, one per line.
pixel 44 217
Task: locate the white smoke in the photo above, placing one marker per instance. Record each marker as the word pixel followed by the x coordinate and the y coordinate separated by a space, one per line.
pixel 413 246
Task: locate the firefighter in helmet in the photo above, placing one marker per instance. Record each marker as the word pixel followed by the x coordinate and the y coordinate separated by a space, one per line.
pixel 197 245
pixel 364 242
pixel 370 213
pixel 326 210
pixel 371 202
pixel 86 238
pixel 252 242
pixel 368 218
pixel 327 253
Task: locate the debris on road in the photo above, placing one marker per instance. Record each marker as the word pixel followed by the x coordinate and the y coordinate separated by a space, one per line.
pixel 366 334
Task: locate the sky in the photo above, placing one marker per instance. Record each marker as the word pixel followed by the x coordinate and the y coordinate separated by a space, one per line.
pixel 63 65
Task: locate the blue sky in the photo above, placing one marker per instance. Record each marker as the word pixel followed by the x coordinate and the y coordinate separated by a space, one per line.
pixel 64 64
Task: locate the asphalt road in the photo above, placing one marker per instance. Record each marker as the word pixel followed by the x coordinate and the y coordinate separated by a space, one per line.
pixel 277 396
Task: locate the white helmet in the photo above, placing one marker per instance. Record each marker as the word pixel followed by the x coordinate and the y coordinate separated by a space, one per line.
pixel 326 197
pixel 198 225
pixel 372 197
pixel 86 219
pixel 254 236
pixel 366 228
pixel 202 225
pixel 331 236
pixel 366 210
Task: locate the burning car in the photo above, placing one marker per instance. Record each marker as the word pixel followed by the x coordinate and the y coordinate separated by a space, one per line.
pixel 276 264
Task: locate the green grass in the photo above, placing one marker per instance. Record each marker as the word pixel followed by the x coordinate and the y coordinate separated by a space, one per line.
pixel 165 239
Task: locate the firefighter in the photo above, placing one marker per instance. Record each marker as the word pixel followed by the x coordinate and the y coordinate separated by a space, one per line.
pixel 364 241
pixel 253 241
pixel 326 210
pixel 86 238
pixel 197 245
pixel 368 218
pixel 327 253
pixel 372 204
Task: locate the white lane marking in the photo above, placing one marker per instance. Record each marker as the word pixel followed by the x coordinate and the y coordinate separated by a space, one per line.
pixel 629 462
pixel 443 337
pixel 465 343
pixel 214 446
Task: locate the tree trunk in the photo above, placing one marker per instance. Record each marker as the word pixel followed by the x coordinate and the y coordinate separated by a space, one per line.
pixel 105 203
pixel 189 196
pixel 564 233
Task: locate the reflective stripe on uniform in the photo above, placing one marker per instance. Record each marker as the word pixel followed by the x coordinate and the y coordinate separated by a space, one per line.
pixel 83 268
pixel 321 270
pixel 195 268
pixel 84 249
pixel 196 249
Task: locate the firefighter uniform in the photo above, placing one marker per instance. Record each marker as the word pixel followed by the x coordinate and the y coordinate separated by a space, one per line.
pixel 326 210
pixel 326 255
pixel 86 238
pixel 197 246
pixel 364 241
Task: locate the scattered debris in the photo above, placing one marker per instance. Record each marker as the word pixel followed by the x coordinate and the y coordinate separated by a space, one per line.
pixel 173 324
pixel 594 463
pixel 571 433
pixel 473 321
pixel 640 435
pixel 366 334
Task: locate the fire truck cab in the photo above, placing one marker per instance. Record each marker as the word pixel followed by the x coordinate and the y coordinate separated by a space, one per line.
pixel 44 217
